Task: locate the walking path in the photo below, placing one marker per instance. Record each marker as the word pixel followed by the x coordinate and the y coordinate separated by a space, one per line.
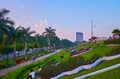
pixel 7 70
pixel 99 71
pixel 80 68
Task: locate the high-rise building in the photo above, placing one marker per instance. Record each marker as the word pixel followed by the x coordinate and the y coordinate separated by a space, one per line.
pixel 79 36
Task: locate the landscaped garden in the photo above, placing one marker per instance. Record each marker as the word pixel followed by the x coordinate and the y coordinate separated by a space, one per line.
pixel 55 65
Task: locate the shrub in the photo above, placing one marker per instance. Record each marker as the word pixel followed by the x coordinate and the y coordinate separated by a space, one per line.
pixel 112 41
pixel 49 70
pixel 115 51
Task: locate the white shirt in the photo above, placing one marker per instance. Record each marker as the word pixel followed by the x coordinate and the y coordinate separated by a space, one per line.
pixel 32 74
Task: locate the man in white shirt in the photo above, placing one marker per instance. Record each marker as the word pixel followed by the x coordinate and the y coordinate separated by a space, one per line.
pixel 32 73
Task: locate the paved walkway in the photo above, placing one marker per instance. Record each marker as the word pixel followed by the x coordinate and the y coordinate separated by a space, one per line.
pixel 7 70
pixel 99 71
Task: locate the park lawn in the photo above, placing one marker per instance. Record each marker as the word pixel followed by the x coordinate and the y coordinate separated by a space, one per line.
pixel 112 74
pixel 63 52
pixel 101 51
pixel 102 65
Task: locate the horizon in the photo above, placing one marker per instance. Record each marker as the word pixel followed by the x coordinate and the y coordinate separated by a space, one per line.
pixel 66 16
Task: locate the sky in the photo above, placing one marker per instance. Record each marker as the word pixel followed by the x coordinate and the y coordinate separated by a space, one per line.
pixel 66 16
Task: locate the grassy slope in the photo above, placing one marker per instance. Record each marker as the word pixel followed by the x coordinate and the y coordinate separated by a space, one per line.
pixel 23 72
pixel 99 50
pixel 102 65
pixel 112 74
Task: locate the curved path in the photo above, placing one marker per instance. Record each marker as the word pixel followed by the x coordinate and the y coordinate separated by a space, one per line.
pixel 7 70
pixel 99 71
pixel 80 68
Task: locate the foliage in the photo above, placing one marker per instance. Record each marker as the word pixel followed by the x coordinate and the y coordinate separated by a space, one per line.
pixel 112 41
pixel 65 43
pixel 116 31
pixel 50 69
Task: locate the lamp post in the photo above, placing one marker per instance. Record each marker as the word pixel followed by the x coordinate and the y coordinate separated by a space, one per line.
pixel 92 26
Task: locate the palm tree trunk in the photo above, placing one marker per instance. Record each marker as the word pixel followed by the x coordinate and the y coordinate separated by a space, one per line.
pixel 25 49
pixel 14 43
pixel 49 45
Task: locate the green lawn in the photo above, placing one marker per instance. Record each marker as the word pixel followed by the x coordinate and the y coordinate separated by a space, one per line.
pixel 112 74
pixel 102 65
pixel 99 50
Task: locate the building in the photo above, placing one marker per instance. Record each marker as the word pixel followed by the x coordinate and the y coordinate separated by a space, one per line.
pixel 79 36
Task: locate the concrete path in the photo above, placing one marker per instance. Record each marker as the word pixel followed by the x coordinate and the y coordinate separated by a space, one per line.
pixel 7 70
pixel 99 71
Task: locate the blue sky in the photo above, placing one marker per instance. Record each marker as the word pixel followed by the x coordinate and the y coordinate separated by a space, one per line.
pixel 66 16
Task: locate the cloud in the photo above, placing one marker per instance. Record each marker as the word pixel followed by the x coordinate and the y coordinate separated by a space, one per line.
pixel 42 24
pixel 40 27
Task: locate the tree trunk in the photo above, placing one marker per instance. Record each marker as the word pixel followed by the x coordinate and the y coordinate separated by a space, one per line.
pixel 25 49
pixel 14 43
pixel 49 45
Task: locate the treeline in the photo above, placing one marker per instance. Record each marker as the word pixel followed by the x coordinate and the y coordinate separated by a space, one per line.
pixel 16 39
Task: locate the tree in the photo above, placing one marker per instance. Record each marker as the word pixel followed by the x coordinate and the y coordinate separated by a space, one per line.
pixel 116 33
pixel 14 33
pixel 5 23
pixel 49 33
pixel 65 43
pixel 27 34
pixel 55 41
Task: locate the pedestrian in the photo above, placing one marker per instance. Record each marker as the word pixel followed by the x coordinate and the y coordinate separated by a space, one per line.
pixel 33 59
pixel 31 74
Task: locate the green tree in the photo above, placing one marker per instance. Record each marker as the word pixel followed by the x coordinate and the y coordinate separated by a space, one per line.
pixel 49 33
pixel 116 31
pixel 27 35
pixel 14 34
pixel 5 23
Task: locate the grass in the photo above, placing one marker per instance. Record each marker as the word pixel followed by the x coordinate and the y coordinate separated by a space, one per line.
pixel 112 74
pixel 21 73
pixel 81 46
pixel 102 65
pixel 58 58
pixel 101 50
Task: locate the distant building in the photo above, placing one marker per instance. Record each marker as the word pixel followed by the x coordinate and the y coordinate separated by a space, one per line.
pixel 79 36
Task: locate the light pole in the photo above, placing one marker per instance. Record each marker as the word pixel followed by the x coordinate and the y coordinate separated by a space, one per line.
pixel 92 26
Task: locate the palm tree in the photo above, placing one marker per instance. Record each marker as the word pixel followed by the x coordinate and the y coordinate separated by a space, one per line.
pixel 49 33
pixel 27 34
pixel 5 23
pixel 14 34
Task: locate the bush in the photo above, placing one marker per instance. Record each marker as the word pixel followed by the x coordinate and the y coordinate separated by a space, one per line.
pixel 50 70
pixel 115 51
pixel 112 41
pixel 94 58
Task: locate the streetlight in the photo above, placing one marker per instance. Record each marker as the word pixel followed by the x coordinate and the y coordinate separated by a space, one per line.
pixel 92 26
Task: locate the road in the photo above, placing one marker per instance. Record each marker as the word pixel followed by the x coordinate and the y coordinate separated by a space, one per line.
pixel 7 70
